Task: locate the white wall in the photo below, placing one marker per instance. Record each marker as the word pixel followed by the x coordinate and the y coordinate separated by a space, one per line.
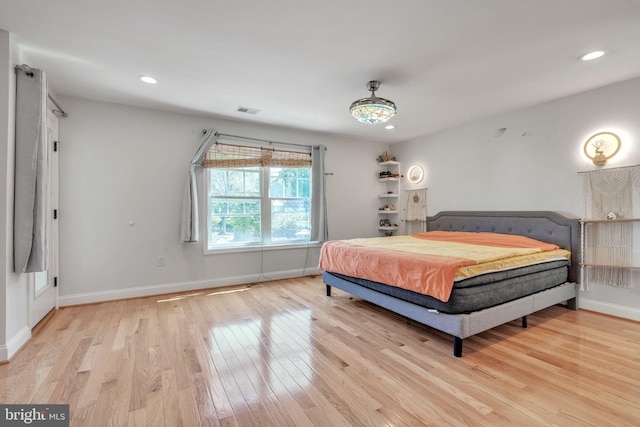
pixel 467 168
pixel 120 164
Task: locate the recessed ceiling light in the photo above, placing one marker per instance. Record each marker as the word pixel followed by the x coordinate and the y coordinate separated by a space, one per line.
pixel 592 55
pixel 389 127
pixel 148 79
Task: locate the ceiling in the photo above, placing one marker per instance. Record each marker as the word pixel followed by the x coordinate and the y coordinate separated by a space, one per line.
pixel 302 62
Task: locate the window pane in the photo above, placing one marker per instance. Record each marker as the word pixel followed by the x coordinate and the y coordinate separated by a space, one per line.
pixel 235 182
pixel 290 220
pixel 243 211
pixel 234 221
pixel 289 182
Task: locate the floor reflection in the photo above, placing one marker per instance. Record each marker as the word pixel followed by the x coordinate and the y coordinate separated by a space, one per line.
pixel 274 353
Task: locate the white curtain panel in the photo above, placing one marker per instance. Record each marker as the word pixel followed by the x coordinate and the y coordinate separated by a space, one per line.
pixel 190 221
pixel 31 170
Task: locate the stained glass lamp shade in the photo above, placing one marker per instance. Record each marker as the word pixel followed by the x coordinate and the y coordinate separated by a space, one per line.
pixel 373 110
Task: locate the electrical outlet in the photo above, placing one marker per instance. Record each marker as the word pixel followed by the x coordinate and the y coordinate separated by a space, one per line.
pixel 162 261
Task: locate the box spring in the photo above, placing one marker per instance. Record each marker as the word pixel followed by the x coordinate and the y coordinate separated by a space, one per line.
pixel 484 291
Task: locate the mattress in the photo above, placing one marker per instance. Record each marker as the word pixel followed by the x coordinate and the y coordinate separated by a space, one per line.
pixel 483 291
pixel 429 263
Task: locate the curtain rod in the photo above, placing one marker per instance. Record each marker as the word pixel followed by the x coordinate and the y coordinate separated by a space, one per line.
pixel 226 144
pixel 29 72
pixel 619 167
pixel 59 110
pixel 262 140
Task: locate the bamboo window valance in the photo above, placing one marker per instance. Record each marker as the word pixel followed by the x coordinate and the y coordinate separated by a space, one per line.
pixel 222 155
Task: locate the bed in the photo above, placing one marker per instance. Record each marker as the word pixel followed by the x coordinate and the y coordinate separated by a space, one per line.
pixel 491 299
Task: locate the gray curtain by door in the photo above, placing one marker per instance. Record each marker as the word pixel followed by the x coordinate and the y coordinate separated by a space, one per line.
pixel 30 243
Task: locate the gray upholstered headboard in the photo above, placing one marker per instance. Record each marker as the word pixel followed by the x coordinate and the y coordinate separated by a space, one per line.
pixel 546 226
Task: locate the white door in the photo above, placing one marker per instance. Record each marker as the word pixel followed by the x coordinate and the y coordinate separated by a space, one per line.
pixel 43 293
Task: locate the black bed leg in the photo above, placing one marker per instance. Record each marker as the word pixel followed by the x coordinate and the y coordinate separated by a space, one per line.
pixel 328 290
pixel 524 322
pixel 572 304
pixel 457 347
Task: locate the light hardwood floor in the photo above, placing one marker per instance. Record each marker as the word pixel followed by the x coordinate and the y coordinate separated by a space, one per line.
pixel 281 353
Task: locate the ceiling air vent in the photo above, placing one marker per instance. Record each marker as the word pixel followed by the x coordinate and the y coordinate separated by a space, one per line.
pixel 247 110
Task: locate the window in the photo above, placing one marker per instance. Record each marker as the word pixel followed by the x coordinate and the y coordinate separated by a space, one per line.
pixel 257 196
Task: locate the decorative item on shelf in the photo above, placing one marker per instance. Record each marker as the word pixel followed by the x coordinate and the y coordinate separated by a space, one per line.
pixel 385 223
pixel 612 215
pixel 386 157
pixel 373 110
pixel 601 147
pixel 389 174
pixel 415 174
pixel 388 208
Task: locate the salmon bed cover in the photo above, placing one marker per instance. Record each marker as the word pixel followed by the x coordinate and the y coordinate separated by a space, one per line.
pixel 430 262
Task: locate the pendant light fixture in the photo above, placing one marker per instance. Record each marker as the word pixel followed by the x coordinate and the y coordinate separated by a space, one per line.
pixel 373 110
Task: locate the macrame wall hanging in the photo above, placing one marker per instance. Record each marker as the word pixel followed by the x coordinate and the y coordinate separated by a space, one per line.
pixel 608 243
pixel 415 209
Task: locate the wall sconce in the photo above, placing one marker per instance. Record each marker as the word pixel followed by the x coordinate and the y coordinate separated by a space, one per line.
pixel 601 147
pixel 415 174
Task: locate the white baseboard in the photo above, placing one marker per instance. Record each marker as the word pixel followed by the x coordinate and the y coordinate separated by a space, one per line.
pixel 625 312
pixel 14 344
pixel 143 291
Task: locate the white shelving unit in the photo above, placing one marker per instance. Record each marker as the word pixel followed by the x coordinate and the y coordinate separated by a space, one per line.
pixel 389 197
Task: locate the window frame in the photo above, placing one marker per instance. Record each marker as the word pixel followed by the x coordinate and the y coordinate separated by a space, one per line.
pixel 265 215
